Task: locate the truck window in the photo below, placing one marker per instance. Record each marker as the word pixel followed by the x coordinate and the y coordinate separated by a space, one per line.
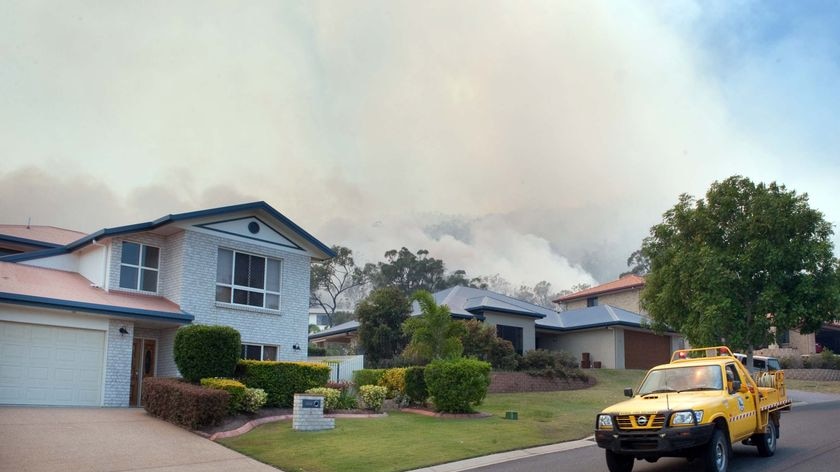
pixel 773 364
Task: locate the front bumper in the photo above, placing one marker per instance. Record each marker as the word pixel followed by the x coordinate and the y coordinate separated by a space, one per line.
pixel 669 441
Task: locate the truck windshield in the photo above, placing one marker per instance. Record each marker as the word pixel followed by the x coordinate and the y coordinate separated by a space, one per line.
pixel 682 379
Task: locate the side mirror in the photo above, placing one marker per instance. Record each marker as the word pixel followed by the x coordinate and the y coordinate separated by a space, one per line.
pixel 628 392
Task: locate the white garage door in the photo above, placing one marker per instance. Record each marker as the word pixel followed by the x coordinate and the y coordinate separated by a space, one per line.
pixel 48 365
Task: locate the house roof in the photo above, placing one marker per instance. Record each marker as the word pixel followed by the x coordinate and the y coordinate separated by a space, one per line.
pixel 39 236
pixel 624 283
pixel 469 302
pixel 591 317
pixel 36 286
pixel 347 327
pixel 172 218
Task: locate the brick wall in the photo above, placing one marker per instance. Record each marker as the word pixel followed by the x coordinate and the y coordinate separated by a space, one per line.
pixel 627 299
pixel 508 382
pixel 118 363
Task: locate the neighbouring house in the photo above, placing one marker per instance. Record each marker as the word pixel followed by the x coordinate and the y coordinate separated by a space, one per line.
pixel 623 293
pixel 318 317
pixel 86 318
pixel 614 337
pixel 16 239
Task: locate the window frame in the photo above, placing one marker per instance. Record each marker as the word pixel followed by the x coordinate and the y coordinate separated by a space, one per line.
pixel 517 332
pixel 139 267
pixel 233 286
pixel 243 350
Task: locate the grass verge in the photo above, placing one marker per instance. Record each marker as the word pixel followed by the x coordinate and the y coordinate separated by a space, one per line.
pixel 405 441
pixel 813 386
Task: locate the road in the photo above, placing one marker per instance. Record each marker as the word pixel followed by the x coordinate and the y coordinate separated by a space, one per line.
pixel 809 442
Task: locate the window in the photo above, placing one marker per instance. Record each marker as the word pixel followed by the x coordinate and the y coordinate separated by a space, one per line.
pixel 592 301
pixel 259 352
pixel 783 338
pixel 245 279
pixel 139 265
pixel 512 334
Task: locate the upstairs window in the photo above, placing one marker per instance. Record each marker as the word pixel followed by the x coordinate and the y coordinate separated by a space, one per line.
pixel 139 266
pixel 592 301
pixel 245 279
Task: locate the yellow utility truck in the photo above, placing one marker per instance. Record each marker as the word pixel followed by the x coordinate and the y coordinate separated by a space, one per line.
pixel 696 406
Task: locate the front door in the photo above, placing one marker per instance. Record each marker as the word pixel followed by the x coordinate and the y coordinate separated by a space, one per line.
pixel 142 365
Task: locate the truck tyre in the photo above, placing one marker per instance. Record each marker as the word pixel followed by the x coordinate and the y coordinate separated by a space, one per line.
pixel 766 442
pixel 716 456
pixel 619 462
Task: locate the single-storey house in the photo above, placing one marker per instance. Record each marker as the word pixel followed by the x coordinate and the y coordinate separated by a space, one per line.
pixel 83 322
pixel 615 337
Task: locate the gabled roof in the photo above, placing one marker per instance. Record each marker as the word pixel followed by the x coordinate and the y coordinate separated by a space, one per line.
pixel 39 236
pixel 36 286
pixel 469 302
pixel 172 218
pixel 591 317
pixel 627 282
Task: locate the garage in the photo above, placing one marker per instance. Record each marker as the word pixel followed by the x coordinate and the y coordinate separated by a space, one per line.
pixel 645 350
pixel 50 365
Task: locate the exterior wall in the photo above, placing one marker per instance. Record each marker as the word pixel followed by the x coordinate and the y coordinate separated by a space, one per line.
pixel 599 343
pixel 524 322
pixel 118 364
pixel 92 264
pixel 166 354
pixel 285 328
pixel 805 343
pixel 627 299
pixel 172 267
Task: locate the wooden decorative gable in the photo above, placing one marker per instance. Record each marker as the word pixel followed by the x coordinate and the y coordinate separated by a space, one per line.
pixel 252 228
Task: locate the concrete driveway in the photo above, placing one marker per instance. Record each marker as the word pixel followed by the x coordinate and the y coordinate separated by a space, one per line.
pixel 107 439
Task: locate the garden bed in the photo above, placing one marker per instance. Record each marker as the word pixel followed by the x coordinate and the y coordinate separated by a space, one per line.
pixel 511 382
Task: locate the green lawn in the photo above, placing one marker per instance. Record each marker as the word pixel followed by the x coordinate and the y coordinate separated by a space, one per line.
pixel 405 441
pixel 813 386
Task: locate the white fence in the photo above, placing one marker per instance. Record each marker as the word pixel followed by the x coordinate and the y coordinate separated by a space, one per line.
pixel 341 367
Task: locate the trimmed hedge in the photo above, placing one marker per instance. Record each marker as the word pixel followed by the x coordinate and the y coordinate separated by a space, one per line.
pixel 367 376
pixel 203 351
pixel 235 388
pixel 331 396
pixel 394 381
pixel 373 396
pixel 282 380
pixel 457 385
pixel 415 384
pixel 184 404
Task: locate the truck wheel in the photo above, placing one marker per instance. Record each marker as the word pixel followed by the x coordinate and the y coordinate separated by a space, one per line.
pixel 766 442
pixel 716 456
pixel 619 462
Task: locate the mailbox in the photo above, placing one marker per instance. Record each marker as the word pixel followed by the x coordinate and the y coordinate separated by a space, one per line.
pixel 308 403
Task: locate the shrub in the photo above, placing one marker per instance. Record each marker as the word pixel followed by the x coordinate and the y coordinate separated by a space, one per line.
pixel 481 341
pixel 315 350
pixel 346 396
pixel 456 385
pixel 206 351
pixel 254 399
pixel 373 396
pixel 545 363
pixel 415 385
pixel 367 376
pixel 235 388
pixel 791 362
pixel 282 380
pixel 331 396
pixel 184 404
pixel 826 360
pixel 394 381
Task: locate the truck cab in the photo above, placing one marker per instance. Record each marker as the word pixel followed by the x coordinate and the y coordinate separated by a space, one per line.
pixel 696 407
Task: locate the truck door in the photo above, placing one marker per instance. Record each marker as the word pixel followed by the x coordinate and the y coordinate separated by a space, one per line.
pixel 740 405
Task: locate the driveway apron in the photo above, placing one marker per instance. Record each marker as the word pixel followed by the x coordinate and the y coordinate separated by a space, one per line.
pixel 108 439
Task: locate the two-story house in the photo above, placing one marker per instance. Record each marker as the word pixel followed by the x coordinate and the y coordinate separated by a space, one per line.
pixel 83 323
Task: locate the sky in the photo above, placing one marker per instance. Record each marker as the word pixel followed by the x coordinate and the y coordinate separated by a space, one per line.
pixel 539 140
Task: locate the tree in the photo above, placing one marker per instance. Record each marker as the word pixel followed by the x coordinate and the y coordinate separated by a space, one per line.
pixel 410 272
pixel 434 334
pixel 381 316
pixel 482 342
pixel 638 264
pixel 333 279
pixel 746 258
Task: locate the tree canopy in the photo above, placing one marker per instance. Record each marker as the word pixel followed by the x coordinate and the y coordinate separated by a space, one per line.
pixel 333 279
pixel 381 316
pixel 746 258
pixel 410 272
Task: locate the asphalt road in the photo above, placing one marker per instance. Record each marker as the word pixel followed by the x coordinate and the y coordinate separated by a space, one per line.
pixel 810 441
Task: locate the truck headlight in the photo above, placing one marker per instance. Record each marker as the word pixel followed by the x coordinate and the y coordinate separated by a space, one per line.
pixel 605 422
pixel 686 417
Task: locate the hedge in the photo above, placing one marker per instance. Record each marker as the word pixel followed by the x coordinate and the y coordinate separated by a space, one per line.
pixel 331 397
pixel 282 380
pixel 415 385
pixel 457 385
pixel 368 376
pixel 184 404
pixel 203 351
pixel 394 381
pixel 373 396
pixel 235 388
